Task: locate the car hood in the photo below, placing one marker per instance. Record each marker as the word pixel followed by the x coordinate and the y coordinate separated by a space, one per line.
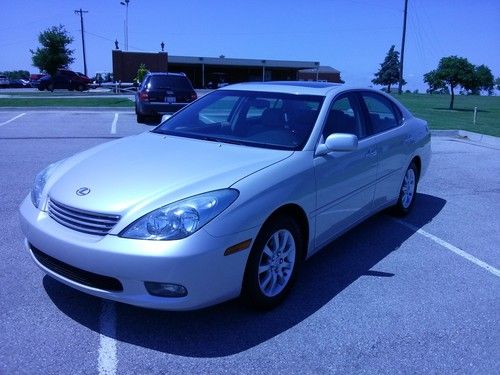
pixel 150 170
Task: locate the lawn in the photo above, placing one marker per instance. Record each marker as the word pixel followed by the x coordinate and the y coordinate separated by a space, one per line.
pixel 434 109
pixel 66 102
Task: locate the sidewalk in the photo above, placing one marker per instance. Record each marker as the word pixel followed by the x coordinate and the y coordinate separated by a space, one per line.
pixel 463 134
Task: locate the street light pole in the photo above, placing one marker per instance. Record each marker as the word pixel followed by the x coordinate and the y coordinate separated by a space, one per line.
pixel 125 2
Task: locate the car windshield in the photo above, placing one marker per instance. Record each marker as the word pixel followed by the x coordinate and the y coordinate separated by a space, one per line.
pixel 258 119
pixel 168 82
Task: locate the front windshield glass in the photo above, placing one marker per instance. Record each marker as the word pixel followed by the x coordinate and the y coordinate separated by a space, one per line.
pixel 259 119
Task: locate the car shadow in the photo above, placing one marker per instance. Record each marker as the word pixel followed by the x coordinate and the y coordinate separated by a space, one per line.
pixel 230 328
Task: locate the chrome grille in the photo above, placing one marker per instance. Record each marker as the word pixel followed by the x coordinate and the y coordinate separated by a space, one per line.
pixel 82 221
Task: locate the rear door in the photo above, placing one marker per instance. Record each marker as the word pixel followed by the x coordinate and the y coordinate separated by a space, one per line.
pixel 387 129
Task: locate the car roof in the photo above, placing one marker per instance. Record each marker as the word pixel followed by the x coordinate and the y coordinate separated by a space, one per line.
pixel 166 74
pixel 290 87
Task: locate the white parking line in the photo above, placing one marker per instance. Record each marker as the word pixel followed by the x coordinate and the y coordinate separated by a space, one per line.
pixel 107 361
pixel 12 119
pixel 452 248
pixel 113 125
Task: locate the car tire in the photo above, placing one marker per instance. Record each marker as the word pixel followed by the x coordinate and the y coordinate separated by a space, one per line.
pixel 407 192
pixel 40 88
pixel 155 120
pixel 273 263
pixel 50 87
pixel 80 87
pixel 141 119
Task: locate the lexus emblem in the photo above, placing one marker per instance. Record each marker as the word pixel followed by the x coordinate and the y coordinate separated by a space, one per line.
pixel 82 191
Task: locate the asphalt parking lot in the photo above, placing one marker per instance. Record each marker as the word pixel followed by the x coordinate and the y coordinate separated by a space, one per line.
pixel 417 295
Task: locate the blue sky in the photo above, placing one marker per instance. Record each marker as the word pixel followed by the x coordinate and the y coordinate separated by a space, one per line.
pixel 350 35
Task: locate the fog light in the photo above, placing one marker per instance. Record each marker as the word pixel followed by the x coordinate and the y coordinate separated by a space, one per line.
pixel 165 289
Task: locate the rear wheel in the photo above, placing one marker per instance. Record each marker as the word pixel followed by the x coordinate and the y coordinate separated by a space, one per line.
pixel 273 263
pixel 155 120
pixel 407 192
pixel 141 119
pixel 80 87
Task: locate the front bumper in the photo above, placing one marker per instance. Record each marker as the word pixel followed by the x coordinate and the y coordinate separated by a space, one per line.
pixel 197 262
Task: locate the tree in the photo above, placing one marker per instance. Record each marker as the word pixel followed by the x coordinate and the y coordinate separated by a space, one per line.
pixel 454 71
pixel 435 84
pixel 484 79
pixel 497 83
pixel 388 73
pixel 54 53
pixel 141 73
pixel 16 74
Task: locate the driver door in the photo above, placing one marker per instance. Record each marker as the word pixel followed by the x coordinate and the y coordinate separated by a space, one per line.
pixel 345 181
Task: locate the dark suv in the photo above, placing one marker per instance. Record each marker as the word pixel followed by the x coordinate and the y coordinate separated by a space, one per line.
pixel 64 79
pixel 162 93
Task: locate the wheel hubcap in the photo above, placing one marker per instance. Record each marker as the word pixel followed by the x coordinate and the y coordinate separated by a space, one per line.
pixel 408 189
pixel 276 263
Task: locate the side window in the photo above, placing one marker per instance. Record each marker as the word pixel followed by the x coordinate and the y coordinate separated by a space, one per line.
pixel 381 112
pixel 343 118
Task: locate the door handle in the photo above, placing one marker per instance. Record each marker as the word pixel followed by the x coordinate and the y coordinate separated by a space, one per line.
pixel 371 153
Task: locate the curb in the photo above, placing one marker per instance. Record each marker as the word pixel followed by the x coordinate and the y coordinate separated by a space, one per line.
pixel 471 136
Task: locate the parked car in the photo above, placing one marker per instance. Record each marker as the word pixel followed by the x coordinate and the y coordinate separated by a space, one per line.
pixel 34 78
pixel 64 79
pixel 19 83
pixel 161 93
pixel 227 197
pixel 4 81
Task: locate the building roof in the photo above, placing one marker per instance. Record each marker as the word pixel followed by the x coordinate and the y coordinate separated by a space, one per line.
pixel 242 62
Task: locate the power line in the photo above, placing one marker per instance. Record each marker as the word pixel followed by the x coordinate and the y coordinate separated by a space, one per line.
pixel 83 39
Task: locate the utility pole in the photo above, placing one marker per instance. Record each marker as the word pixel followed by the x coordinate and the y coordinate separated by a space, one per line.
pixel 400 87
pixel 83 39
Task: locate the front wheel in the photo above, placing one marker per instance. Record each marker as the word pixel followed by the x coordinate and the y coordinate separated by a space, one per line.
pixel 273 263
pixel 407 192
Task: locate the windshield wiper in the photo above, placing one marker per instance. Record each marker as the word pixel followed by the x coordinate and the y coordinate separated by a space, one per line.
pixel 221 140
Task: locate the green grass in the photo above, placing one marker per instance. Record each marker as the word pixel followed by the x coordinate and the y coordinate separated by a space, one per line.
pixel 434 109
pixel 66 102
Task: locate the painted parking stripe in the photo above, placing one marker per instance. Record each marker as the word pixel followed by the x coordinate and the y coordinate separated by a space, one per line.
pixel 12 119
pixel 113 125
pixel 108 360
pixel 452 248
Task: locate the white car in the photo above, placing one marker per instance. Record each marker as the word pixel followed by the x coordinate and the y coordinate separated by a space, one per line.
pixel 227 197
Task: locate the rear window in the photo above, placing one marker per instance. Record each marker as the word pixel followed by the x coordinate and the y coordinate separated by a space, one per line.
pixel 169 82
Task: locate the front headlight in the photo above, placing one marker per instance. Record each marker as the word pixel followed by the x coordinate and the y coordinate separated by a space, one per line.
pixel 39 184
pixel 181 219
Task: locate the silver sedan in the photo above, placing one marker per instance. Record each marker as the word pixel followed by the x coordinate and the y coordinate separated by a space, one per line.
pixel 227 197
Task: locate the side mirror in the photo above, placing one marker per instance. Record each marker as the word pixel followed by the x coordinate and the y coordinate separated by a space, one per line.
pixel 338 142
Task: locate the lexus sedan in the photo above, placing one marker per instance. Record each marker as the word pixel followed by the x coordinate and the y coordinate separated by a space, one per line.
pixel 226 198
